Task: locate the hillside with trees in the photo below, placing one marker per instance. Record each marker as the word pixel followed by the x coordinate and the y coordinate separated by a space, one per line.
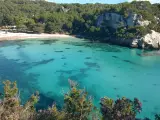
pixel 41 16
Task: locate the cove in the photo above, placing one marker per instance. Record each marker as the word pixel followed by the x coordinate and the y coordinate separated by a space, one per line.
pixel 101 69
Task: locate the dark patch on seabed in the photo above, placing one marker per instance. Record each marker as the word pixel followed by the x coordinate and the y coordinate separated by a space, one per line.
pixel 156 108
pixel 73 77
pixel 58 51
pixel 44 62
pixel 98 46
pixel 63 58
pixel 11 70
pixel 145 54
pixel 145 101
pixel 98 70
pixel 27 65
pixel 130 85
pixel 116 88
pixel 47 100
pixel 154 84
pixel 83 70
pixel 92 91
pixel 19 43
pixel 64 64
pixel 88 58
pixel 114 56
pixel 20 47
pixel 48 42
pixel 78 77
pixel 16 60
pixel 154 113
pixel 90 64
pixel 74 43
pixel 65 71
pixel 63 81
pixel 118 96
pixel 80 51
pixel 109 50
pixel 127 61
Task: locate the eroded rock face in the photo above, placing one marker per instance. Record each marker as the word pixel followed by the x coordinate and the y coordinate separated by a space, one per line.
pixel 112 20
pixel 116 20
pixel 152 40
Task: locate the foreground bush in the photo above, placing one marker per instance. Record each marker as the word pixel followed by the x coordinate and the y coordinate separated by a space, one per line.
pixel 121 109
pixel 77 106
pixel 10 108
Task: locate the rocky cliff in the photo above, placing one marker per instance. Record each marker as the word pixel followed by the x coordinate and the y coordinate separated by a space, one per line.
pixel 116 20
pixel 151 40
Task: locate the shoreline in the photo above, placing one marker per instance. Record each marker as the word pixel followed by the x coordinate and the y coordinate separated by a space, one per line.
pixel 21 36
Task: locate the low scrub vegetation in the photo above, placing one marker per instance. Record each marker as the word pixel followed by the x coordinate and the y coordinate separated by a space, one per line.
pixel 77 106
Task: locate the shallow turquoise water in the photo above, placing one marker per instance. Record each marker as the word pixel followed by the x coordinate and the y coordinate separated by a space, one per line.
pixel 102 69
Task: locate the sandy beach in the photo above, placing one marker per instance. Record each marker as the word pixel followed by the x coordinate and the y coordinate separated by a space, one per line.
pixel 20 36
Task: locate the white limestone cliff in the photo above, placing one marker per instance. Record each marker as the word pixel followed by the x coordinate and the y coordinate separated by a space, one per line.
pixel 152 40
pixel 115 20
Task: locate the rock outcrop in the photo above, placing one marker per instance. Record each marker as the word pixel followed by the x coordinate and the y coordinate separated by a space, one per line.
pixel 151 40
pixel 115 20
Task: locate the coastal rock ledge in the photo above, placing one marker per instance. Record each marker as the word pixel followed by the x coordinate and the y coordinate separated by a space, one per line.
pixel 149 41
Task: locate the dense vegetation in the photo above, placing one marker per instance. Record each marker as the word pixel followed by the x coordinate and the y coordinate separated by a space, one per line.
pixel 41 16
pixel 77 106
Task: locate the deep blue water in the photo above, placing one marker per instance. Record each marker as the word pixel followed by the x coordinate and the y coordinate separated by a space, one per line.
pixel 102 69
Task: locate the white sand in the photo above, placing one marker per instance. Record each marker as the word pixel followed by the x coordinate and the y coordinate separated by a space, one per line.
pixel 19 36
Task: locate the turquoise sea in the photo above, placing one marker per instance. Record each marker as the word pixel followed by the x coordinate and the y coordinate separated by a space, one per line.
pixel 101 69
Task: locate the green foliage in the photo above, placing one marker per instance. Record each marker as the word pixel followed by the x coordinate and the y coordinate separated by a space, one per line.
pixel 38 28
pixel 157 27
pixel 121 109
pixel 76 104
pixel 52 113
pixel 39 16
pixel 132 32
pixel 10 108
pixel 10 89
pixel 49 27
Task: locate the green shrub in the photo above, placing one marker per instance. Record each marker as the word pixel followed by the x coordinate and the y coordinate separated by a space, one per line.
pixel 76 104
pixel 121 109
pixel 10 107
pixel 38 28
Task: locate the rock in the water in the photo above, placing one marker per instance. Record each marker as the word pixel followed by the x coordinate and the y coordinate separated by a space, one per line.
pixel 152 40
